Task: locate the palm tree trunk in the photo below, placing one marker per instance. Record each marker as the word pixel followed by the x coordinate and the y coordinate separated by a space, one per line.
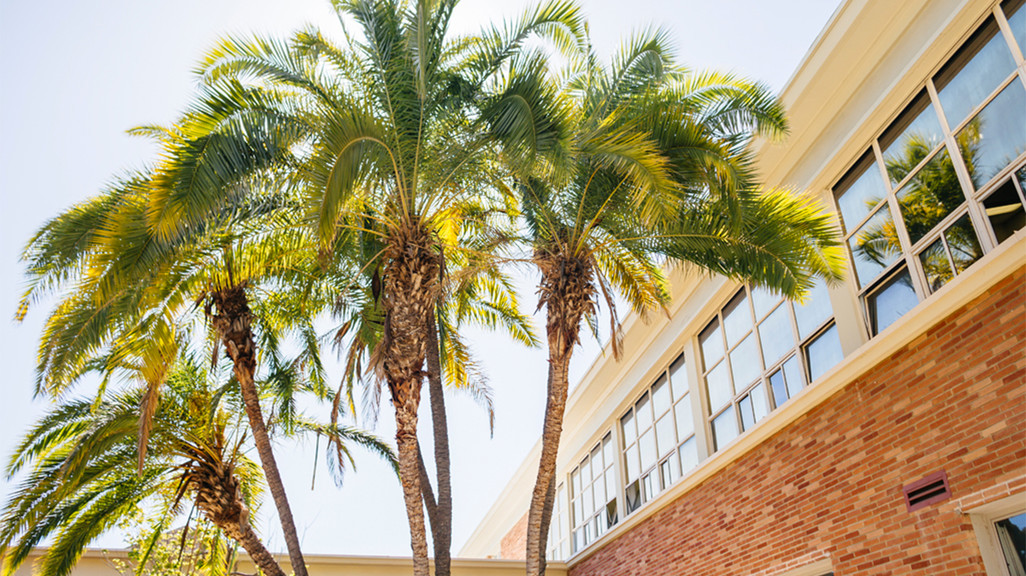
pixel 539 515
pixel 233 325
pixel 441 519
pixel 410 292
pixel 244 535
pixel 567 291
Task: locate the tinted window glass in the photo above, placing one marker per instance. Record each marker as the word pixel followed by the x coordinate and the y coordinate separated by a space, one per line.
pixel 996 136
pixel 933 193
pixel 891 301
pixel 824 353
pixel 859 191
pixel 875 246
pixel 973 72
pixel 1005 211
pixel 815 311
pixel 913 134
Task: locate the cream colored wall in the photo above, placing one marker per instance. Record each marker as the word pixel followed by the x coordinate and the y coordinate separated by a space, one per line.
pixel 867 61
pixel 99 563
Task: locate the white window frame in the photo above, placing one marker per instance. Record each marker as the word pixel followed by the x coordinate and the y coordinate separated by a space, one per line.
pixel 983 519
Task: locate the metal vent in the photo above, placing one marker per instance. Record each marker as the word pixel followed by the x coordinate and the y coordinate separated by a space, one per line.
pixel 931 489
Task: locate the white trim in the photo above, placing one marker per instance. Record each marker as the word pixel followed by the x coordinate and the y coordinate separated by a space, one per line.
pixel 983 519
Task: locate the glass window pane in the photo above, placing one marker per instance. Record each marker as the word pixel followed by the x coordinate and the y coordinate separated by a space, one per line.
pixel 815 311
pixel 667 472
pixel 776 335
pixel 824 352
pixel 1012 536
pixel 914 133
pixel 666 437
pixel 633 464
pixel 793 376
pixel 627 425
pixel 962 241
pixel 600 492
pixel 760 404
pixel 875 246
pixel 611 516
pixel 1017 21
pixel 688 456
pixel 648 450
pixel 725 428
pixel 712 344
pixel 745 362
pixel 643 413
pixel 891 301
pixel 649 486
pixel 607 450
pixel 859 191
pixel 718 384
pixel 678 378
pixel 737 319
pixel 575 483
pixel 685 420
pixel 747 415
pixel 936 265
pixel 1004 211
pixel 661 400
pixel 996 136
pixel 763 301
pixel 973 72
pixel 611 483
pixel 586 498
pixel 932 194
pixel 585 472
pixel 596 461
pixel 633 496
pixel 779 388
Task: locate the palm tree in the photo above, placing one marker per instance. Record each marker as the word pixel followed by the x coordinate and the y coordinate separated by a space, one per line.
pixel 623 169
pixel 83 474
pixel 129 280
pixel 387 144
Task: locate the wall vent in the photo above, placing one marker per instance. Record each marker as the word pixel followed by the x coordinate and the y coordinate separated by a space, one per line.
pixel 931 489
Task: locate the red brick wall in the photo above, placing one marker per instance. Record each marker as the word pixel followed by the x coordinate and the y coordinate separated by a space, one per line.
pixel 830 484
pixel 514 543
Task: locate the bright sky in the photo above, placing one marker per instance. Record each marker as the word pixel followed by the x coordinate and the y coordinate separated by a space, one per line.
pixel 76 75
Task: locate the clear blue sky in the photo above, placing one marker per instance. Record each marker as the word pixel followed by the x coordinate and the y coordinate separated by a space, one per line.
pixel 76 75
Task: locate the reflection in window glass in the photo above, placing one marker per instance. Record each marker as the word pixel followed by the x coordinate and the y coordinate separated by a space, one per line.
pixel 891 301
pixel 661 396
pixel 936 265
pixel 963 244
pixel 763 301
pixel 688 456
pixel 824 353
pixel 933 193
pixel 859 191
pixel 815 311
pixel 718 384
pixel 745 362
pixel 1012 536
pixel 724 428
pixel 712 344
pixel 737 319
pixel 1005 211
pixel 793 374
pixel 875 246
pixel 678 378
pixel 996 136
pixel 973 72
pixel 775 335
pixel 1017 21
pixel 914 134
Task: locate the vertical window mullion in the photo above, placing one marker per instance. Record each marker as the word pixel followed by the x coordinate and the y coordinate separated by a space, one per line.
pixel 1006 32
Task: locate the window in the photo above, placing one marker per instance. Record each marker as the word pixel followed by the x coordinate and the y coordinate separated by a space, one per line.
pixel 937 188
pixel 759 351
pixel 559 538
pixel 659 437
pixel 593 494
pixel 1000 528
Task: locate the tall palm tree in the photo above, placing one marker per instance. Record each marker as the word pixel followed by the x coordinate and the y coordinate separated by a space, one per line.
pixel 387 143
pixel 83 475
pixel 624 169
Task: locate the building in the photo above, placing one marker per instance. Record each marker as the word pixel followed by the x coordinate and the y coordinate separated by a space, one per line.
pixel 880 428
